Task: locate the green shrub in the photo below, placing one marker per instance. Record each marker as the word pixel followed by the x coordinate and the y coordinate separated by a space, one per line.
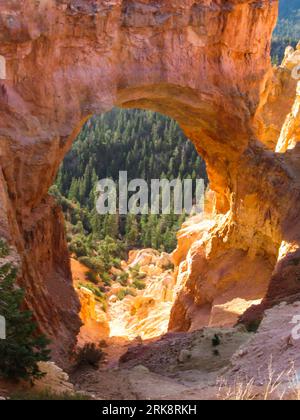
pixel 116 262
pixel 106 279
pixel 95 290
pixel 99 294
pixel 216 341
pixel 253 325
pixel 23 347
pixel 108 249
pixel 139 284
pixel 4 249
pixel 134 271
pixel 102 289
pixel 104 306
pixel 123 278
pixel 78 248
pixel 69 238
pixel 93 263
pixel 90 354
pixel 92 277
pixel 125 292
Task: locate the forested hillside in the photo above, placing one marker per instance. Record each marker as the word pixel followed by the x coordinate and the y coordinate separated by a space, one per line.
pixel 148 146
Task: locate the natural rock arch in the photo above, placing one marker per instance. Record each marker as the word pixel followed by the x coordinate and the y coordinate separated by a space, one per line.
pixel 203 62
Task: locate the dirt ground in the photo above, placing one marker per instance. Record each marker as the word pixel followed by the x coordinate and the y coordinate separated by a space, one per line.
pixel 178 366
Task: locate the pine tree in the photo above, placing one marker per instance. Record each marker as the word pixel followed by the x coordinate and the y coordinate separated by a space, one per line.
pixel 23 347
pixel 97 224
pixel 111 225
pixel 74 190
pixel 87 182
pixel 132 231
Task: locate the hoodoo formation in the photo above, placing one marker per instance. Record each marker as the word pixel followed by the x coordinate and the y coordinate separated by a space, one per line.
pixel 205 63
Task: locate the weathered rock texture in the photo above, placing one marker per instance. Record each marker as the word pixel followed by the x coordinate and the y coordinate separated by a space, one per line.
pixel 146 314
pixel 95 326
pixel 274 348
pixel 219 276
pixel 203 62
pixel 55 380
pixel 215 285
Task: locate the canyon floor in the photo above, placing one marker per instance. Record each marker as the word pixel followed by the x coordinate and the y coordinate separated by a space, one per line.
pixel 177 366
pixel 218 362
pixel 212 363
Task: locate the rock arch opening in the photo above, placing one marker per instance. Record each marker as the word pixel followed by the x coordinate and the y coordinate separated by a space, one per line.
pixel 121 264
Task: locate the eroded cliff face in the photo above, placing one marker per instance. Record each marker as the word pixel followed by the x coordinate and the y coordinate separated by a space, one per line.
pixel 146 314
pixel 233 266
pixel 203 62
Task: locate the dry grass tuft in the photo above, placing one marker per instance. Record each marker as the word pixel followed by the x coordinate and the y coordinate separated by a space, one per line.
pixel 282 386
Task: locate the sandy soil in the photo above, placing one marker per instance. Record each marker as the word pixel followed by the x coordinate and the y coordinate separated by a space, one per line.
pixel 178 366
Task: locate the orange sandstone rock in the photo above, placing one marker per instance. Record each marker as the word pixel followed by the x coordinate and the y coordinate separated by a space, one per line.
pixel 205 63
pixel 95 323
pixel 145 315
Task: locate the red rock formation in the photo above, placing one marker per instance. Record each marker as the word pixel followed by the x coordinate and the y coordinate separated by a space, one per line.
pixel 203 62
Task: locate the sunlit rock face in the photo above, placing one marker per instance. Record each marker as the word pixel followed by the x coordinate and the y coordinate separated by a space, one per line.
pixel 277 101
pixel 203 62
pixel 284 283
pixel 145 315
pixel 214 285
pixel 95 324
pixel 220 282
pixel 290 132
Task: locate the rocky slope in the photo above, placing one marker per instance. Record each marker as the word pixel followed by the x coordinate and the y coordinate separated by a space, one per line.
pixel 273 350
pixel 179 366
pixel 147 314
pixel 144 314
pixel 212 363
pixel 203 62
pixel 95 326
